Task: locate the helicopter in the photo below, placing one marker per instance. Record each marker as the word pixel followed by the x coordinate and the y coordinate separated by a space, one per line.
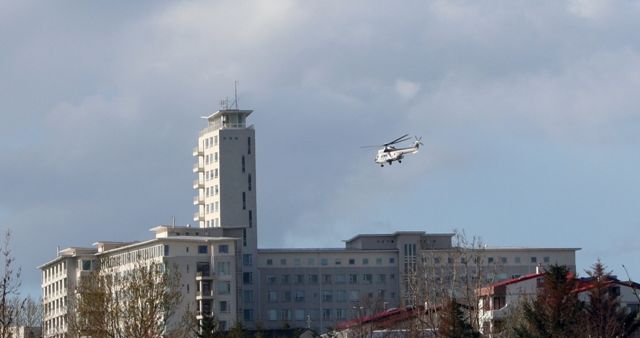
pixel 390 153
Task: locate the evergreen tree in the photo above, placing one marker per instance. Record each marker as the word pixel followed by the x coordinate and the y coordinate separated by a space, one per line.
pixel 453 324
pixel 556 312
pixel 207 328
pixel 237 331
pixel 605 317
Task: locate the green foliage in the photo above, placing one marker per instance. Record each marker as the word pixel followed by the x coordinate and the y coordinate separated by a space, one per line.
pixel 453 323
pixel 556 312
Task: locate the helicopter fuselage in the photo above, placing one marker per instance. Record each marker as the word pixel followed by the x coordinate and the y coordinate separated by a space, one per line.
pixel 390 154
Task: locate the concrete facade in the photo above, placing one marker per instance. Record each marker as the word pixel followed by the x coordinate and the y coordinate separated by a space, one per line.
pixel 271 288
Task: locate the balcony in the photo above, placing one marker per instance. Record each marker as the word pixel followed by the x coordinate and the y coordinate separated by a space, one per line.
pixel 204 275
pixel 197 151
pixel 198 184
pixel 198 200
pixel 204 295
pixel 198 167
pixel 198 217
pixel 500 313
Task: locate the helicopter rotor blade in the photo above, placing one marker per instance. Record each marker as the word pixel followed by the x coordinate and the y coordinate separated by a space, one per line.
pixel 398 140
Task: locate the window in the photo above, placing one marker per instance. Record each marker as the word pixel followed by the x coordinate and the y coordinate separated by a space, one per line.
pixel 223 248
pixel 86 265
pixel 249 181
pixel 490 260
pixel 273 296
pixel 223 288
pixel 392 260
pixel 341 314
pixel 283 261
pixel 215 173
pixel 298 314
pixel 299 296
pixel 381 278
pixel 166 250
pixel 243 169
pixel 352 261
pixel 311 261
pixel 340 279
pixel 284 279
pixel 248 315
pixel 202 249
pixel 353 279
pixel 271 279
pixel 313 279
pixel 367 278
pixel 215 140
pixel 324 261
pixel 247 278
pixel 338 261
pixel 299 279
pixel 247 260
pixel 341 296
pixel 272 314
pixel 326 279
pixel 269 261
pixel 379 261
pixel 244 200
pixel 354 295
pixel 250 218
pixel 203 268
pixel 365 261
pixel 503 260
pixel 326 314
pixel 545 259
pixel 534 259
pixel 285 314
pixel 286 296
pixel 327 296
pixel 517 259
pixel 247 296
pixel 223 306
pixel 297 261
pixel 215 156
pixel 223 268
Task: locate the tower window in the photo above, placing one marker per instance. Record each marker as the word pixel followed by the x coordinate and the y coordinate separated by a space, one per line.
pixel 244 200
pixel 249 178
pixel 249 144
pixel 242 163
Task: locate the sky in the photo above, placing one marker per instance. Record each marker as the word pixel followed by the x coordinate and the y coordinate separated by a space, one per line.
pixel 528 111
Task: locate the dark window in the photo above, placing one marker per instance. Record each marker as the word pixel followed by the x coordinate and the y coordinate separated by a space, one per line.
pixel 166 250
pixel 203 268
pixel 244 237
pixel 247 278
pixel 247 260
pixel 244 200
pixel 243 164
pixel 202 249
pixel 249 179
pixel 223 248
pixel 248 315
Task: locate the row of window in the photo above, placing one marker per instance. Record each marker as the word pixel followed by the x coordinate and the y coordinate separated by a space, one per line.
pixel 211 191
pixel 221 249
pixel 517 260
pixel 325 261
pixel 211 158
pixel 211 174
pixel 326 296
pixel 308 314
pixel 366 278
pixel 212 207
pixel 211 141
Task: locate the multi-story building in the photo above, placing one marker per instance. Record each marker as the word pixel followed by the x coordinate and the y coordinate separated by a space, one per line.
pixel 225 274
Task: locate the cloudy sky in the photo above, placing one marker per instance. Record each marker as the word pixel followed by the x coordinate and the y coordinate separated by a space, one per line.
pixel 528 112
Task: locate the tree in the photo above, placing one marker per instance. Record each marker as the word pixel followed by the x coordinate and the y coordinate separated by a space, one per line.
pixel 206 328
pixel 237 331
pixel 605 317
pixel 31 313
pixel 135 303
pixel 556 311
pixel 453 323
pixel 446 274
pixel 9 288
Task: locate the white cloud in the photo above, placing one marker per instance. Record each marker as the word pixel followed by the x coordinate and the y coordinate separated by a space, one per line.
pixel 407 89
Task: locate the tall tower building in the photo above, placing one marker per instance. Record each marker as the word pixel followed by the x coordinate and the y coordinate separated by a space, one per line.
pixel 226 195
pixel 225 169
